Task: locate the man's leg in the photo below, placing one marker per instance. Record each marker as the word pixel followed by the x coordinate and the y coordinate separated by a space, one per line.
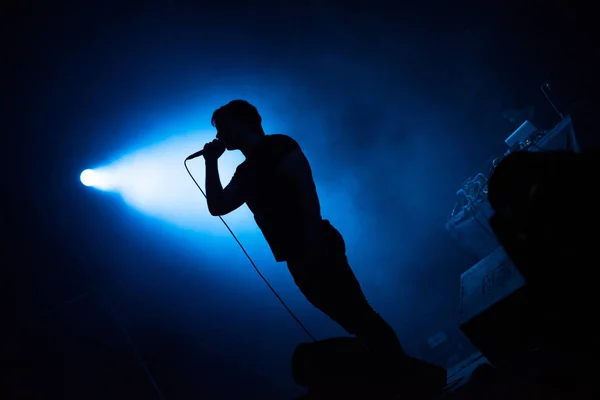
pixel 333 288
pixel 342 299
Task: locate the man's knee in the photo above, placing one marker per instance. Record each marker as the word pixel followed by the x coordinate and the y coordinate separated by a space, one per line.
pixel 354 316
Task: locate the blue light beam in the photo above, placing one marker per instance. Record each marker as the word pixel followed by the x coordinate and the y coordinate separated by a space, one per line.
pixel 154 181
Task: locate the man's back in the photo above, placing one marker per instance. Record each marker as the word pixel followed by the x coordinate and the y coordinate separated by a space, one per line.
pixel 277 185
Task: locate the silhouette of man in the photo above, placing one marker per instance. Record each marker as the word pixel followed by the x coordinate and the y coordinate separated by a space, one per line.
pixel 276 183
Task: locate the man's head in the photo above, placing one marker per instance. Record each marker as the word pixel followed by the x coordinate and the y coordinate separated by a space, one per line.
pixel 237 123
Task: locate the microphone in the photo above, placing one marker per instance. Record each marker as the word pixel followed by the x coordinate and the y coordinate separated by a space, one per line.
pixel 201 152
pixel 195 155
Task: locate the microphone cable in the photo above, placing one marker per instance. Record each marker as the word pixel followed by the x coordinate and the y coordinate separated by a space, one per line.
pixel 252 261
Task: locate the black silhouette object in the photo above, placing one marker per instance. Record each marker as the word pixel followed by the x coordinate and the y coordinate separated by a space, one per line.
pixel 275 181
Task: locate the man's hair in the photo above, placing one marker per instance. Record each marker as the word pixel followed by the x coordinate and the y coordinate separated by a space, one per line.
pixel 241 111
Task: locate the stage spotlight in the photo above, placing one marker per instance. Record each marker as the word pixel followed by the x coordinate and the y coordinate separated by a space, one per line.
pixel 98 179
pixel 87 177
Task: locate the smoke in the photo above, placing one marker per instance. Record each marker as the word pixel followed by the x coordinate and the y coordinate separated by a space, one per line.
pixel 392 115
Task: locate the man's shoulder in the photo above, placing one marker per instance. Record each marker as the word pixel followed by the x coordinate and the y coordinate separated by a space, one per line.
pixel 279 140
pixel 277 146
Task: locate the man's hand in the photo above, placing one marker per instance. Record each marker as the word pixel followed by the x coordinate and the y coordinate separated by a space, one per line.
pixel 213 150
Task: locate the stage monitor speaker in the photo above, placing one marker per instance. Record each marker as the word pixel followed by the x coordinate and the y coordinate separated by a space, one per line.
pixel 495 312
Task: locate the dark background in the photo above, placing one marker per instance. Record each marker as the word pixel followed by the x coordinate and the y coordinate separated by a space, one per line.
pixel 409 100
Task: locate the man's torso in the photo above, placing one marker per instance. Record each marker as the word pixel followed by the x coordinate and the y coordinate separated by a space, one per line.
pixel 273 198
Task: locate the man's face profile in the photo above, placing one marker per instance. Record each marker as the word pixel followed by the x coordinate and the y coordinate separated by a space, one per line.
pixel 226 134
pixel 230 132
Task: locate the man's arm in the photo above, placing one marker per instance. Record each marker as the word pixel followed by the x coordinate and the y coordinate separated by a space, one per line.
pixel 220 201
